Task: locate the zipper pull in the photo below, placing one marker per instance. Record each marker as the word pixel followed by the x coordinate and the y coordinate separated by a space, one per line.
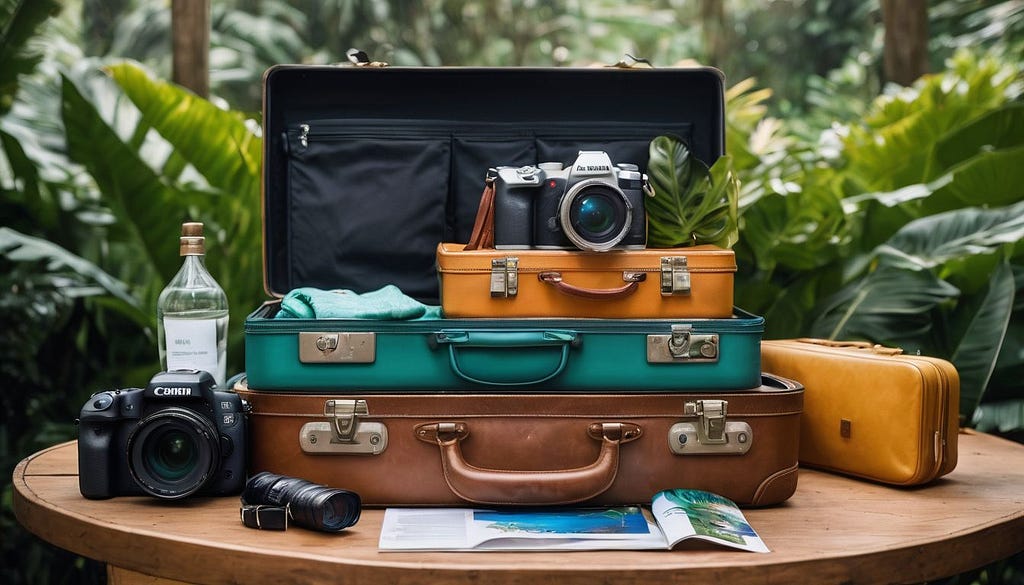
pixel 304 135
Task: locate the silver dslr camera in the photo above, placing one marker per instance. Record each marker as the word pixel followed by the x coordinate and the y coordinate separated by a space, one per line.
pixel 590 205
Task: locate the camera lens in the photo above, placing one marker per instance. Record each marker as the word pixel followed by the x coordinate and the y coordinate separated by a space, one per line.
pixel 311 505
pixel 595 215
pixel 173 455
pixel 173 452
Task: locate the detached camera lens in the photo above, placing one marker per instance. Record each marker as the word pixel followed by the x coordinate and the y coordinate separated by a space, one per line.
pixel 310 505
pixel 172 453
pixel 595 215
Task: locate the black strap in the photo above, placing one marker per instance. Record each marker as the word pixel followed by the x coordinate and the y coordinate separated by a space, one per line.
pixel 265 517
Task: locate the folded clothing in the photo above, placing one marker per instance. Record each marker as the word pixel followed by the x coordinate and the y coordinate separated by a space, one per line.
pixel 386 303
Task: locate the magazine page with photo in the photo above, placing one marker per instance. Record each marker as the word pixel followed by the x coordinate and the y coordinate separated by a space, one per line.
pixel 675 515
pixel 683 514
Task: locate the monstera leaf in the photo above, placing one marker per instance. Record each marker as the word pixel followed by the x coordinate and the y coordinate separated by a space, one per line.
pixel 691 204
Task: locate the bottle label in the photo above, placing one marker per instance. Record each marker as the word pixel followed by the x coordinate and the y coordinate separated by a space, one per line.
pixel 191 344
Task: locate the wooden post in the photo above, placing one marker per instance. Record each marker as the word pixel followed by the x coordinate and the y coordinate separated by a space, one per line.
pixel 715 31
pixel 906 40
pixel 190 34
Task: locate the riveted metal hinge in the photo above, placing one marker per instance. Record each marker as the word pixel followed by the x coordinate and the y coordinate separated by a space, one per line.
pixel 344 432
pixel 675 276
pixel 682 346
pixel 712 433
pixel 505 277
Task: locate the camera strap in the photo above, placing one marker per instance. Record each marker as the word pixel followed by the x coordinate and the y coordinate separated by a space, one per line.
pixel 265 517
pixel 483 228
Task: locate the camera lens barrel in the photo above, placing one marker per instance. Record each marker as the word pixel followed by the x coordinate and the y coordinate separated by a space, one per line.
pixel 310 505
pixel 595 215
pixel 173 453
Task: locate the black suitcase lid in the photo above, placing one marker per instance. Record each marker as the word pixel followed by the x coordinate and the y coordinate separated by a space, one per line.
pixel 366 169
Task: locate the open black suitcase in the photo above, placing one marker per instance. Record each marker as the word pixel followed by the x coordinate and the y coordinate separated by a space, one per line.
pixel 366 170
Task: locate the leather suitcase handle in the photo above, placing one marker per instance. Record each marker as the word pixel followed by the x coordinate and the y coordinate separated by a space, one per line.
pixel 633 280
pixel 499 486
pixel 874 347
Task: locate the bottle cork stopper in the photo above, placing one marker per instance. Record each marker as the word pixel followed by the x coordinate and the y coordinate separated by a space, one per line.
pixel 192 241
pixel 192 229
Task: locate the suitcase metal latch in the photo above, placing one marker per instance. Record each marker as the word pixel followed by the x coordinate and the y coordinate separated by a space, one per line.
pixel 505 277
pixel 675 276
pixel 682 346
pixel 712 434
pixel 344 433
pixel 317 347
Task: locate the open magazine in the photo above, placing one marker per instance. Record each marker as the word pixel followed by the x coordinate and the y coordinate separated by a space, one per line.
pixel 675 515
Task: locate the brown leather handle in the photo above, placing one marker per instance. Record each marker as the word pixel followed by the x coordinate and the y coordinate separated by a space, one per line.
pixel 499 486
pixel 482 236
pixel 633 280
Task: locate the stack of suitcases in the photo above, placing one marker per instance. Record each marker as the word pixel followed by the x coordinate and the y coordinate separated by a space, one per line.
pixel 556 376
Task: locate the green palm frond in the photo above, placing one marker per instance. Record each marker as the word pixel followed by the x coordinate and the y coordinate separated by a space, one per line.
pixel 19 20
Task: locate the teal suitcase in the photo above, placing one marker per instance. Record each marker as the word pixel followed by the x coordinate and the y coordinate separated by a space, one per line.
pixel 440 355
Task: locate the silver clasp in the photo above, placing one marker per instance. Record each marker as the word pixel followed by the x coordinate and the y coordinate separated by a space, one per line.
pixel 712 434
pixel 505 277
pixel 675 276
pixel 344 432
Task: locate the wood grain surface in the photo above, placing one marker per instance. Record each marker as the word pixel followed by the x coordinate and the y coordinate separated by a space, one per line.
pixel 833 530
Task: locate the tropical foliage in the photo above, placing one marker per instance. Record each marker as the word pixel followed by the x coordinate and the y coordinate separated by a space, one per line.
pixel 895 218
pixel 903 229
pixel 689 203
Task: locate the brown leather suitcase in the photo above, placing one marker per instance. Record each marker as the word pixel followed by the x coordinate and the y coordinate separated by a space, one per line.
pixel 695 282
pixel 533 449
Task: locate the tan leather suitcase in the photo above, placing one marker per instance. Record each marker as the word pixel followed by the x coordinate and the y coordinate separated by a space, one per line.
pixel 692 283
pixel 871 411
pixel 533 449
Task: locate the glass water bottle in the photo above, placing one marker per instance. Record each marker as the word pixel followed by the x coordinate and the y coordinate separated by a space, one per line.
pixel 192 313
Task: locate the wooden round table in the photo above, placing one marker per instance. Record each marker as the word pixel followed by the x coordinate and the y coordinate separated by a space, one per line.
pixel 833 530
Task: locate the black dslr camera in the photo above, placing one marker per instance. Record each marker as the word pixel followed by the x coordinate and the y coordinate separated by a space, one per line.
pixel 591 205
pixel 174 438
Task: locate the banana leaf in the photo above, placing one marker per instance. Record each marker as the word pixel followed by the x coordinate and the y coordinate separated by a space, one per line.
pixel 209 170
pixel 989 178
pixel 891 148
pixel 148 210
pixel 998 129
pixel 217 142
pixel 1003 416
pixel 691 204
pixel 83 278
pixel 222 147
pixel 19 20
pixel 976 355
pixel 935 240
pixel 887 305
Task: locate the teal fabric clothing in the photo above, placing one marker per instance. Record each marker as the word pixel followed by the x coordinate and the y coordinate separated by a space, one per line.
pixel 387 303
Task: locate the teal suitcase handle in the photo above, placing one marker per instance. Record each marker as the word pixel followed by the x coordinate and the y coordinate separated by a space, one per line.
pixel 507 358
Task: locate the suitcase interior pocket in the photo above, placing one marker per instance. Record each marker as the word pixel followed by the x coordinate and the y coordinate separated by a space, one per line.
pixel 354 184
pixel 353 189
pixel 472 156
pixel 623 143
